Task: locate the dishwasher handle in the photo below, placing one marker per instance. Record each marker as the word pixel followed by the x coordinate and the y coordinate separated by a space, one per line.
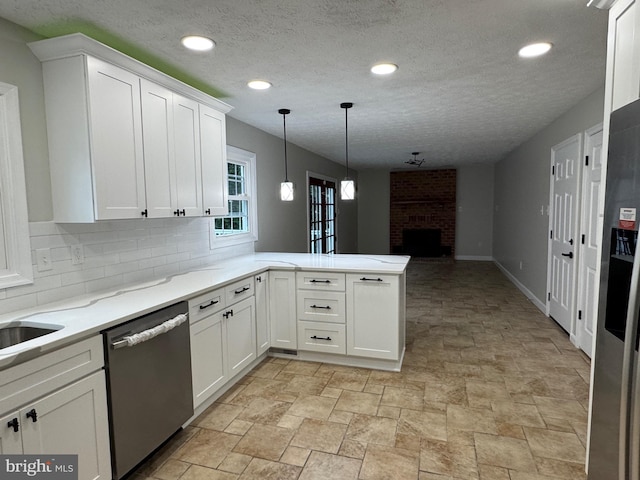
pixel 136 338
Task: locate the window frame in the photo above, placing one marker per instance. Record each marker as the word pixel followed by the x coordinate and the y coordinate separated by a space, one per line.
pixel 248 159
pixel 17 243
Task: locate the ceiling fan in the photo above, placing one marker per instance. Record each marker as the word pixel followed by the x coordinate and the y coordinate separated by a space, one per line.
pixel 414 160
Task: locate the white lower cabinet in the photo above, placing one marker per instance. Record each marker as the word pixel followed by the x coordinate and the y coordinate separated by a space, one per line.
pixel 223 337
pixel 208 357
pixel 72 420
pixel 240 320
pixel 321 337
pixel 282 309
pixel 263 333
pixel 375 316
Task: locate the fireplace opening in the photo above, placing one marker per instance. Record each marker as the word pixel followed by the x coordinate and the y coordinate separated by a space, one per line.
pixel 422 242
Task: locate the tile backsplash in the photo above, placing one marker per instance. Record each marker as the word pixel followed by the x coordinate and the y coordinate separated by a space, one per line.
pixel 115 253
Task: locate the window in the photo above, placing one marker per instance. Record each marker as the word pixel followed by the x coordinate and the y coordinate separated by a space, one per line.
pixel 15 249
pixel 322 215
pixel 240 225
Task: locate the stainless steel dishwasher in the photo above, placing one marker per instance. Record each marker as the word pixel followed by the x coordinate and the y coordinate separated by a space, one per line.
pixel 148 365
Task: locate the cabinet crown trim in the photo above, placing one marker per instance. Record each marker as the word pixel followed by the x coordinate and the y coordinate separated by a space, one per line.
pixel 79 44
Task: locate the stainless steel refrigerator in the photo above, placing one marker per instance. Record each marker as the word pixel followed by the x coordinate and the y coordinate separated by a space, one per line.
pixel 615 430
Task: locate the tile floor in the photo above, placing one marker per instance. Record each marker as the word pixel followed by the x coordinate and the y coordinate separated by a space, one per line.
pixel 490 389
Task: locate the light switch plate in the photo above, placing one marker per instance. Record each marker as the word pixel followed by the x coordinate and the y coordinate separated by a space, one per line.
pixel 43 259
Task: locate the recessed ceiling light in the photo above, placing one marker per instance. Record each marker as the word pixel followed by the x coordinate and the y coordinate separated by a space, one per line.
pixel 534 49
pixel 384 68
pixel 259 84
pixel 198 43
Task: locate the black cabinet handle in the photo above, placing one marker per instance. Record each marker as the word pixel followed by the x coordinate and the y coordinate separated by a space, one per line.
pixel 179 212
pixel 208 211
pixel 210 304
pixel 144 212
pixel 570 254
pixel 14 424
pixel 319 306
pixel 319 281
pixel 228 314
pixel 365 279
pixel 242 290
pixel 33 415
pixel 259 279
pixel 321 338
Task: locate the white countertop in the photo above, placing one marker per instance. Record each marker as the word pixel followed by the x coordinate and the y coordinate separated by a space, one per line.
pixel 81 317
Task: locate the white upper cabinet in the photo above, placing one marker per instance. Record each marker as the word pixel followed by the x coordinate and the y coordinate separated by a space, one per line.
pixel 125 140
pixel 213 141
pixel 623 54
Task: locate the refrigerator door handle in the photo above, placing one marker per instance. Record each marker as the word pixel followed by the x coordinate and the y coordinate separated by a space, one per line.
pixel 626 399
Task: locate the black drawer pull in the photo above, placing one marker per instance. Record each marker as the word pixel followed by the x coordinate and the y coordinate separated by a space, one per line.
pixel 228 314
pixel 319 281
pixel 14 424
pixel 33 415
pixel 570 254
pixel 210 304
pixel 365 279
pixel 321 338
pixel 242 290
pixel 319 306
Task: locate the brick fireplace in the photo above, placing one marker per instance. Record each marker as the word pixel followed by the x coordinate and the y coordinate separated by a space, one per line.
pixel 423 212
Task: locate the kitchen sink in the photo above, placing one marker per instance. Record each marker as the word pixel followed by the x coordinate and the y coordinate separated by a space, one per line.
pixel 15 333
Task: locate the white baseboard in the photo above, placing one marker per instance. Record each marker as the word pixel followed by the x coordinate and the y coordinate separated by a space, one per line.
pixel 528 293
pixel 477 258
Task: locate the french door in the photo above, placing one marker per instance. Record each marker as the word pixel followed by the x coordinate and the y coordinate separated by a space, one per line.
pixel 322 215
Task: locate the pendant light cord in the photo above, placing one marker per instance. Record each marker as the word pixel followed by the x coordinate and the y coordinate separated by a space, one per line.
pixel 284 112
pixel 346 106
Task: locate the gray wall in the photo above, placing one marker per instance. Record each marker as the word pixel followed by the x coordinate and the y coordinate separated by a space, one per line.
pixel 474 218
pixel 521 221
pixel 373 212
pixel 282 226
pixel 474 215
pixel 18 66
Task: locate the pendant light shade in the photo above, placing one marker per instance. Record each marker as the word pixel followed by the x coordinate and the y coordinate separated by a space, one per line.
pixel 347 186
pixel 286 187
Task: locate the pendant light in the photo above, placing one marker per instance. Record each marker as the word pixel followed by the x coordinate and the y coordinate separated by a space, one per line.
pixel 286 187
pixel 347 186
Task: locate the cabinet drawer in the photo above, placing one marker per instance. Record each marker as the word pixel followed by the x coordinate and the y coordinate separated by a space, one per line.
pixel 321 306
pixel 320 281
pixel 206 304
pixel 321 337
pixel 239 290
pixel 40 376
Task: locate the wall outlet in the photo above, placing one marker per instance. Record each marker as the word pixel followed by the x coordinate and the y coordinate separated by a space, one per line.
pixel 77 254
pixel 43 259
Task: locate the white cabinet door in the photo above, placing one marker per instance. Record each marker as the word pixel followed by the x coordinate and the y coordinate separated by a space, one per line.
pixel 10 439
pixel 241 334
pixel 187 156
pixel 282 309
pixel 115 123
pixel 208 357
pixel 373 309
pixel 72 420
pixel 262 313
pixel 159 158
pixel 623 56
pixel 213 151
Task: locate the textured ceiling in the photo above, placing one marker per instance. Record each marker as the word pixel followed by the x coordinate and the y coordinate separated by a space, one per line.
pixel 461 94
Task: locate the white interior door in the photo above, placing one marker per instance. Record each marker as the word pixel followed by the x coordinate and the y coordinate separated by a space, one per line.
pixel 589 239
pixel 565 164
